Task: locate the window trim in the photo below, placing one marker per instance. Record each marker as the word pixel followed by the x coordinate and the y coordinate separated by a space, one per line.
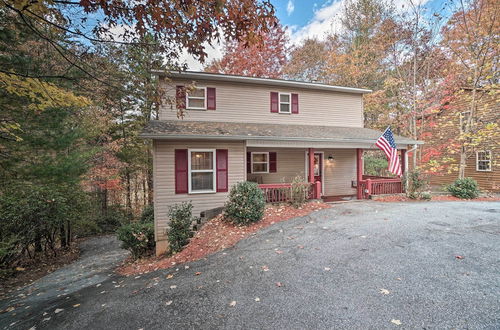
pixel 289 103
pixel 266 162
pixel 489 160
pixel 197 98
pixel 213 170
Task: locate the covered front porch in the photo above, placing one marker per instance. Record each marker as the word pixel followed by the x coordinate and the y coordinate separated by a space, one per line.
pixel 338 173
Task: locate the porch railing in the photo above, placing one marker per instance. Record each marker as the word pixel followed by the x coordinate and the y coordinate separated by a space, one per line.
pixel 380 186
pixel 282 192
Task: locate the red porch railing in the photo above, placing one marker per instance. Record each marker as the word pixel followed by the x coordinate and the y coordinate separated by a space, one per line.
pixel 371 185
pixel 282 192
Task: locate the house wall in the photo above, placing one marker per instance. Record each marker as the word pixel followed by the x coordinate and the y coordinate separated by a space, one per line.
pixel 164 181
pixel 437 140
pixel 250 103
pixel 291 162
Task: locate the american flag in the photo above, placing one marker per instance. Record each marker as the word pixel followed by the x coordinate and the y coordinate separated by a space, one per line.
pixel 388 146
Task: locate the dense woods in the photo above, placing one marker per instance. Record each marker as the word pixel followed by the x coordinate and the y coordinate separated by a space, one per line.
pixel 76 89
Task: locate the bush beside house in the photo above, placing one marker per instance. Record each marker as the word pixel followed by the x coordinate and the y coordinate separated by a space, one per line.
pixel 466 188
pixel 181 219
pixel 246 203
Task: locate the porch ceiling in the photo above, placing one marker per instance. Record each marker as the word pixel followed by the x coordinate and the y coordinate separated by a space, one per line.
pixel 180 129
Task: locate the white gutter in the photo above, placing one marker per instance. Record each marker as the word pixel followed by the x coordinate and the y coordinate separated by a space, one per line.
pixel 260 81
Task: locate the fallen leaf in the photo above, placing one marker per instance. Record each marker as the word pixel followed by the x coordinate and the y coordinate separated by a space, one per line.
pixel 20 269
pixel 173 286
pixel 327 269
pixel 384 291
pixel 279 284
pixel 186 267
pixel 278 251
pixel 168 303
pixel 265 268
pixel 257 299
pixel 459 257
pixel 58 310
pixel 232 303
pixel 46 319
pixel 197 273
pixel 169 276
pixel 10 309
pixel 76 305
pixel 396 322
pixel 300 246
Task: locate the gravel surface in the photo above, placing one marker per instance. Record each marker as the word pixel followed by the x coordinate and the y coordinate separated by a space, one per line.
pixel 363 265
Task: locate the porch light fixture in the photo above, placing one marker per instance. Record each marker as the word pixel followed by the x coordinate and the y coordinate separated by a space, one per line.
pixel 330 157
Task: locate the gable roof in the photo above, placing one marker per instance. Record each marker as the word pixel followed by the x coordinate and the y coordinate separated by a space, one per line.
pixel 194 75
pixel 181 129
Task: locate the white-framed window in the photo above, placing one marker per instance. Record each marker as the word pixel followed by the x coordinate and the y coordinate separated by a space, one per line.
pixel 483 161
pixel 260 162
pixel 285 103
pixel 464 117
pixel 201 167
pixel 196 98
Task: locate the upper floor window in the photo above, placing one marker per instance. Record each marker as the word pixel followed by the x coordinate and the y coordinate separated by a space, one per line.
pixel 260 162
pixel 483 161
pixel 201 170
pixel 285 100
pixel 196 98
pixel 464 118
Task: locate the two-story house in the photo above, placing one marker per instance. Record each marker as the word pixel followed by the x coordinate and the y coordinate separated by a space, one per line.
pixel 264 130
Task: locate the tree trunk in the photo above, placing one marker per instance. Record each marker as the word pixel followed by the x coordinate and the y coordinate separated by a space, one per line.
pixel 129 192
pixel 62 236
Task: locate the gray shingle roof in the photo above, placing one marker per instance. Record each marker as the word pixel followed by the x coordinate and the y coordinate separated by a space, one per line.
pixel 162 129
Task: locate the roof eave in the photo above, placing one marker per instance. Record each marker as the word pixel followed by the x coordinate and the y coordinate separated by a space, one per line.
pixel 261 81
pixel 274 138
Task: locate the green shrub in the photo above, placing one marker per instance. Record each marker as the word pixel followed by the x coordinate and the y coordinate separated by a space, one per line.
pixel 8 251
pixel 148 214
pixel 375 164
pixel 426 196
pixel 85 228
pixel 300 191
pixel 181 218
pixel 416 183
pixel 138 238
pixel 465 188
pixel 246 203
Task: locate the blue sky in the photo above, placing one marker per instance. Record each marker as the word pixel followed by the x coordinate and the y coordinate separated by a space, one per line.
pixel 315 18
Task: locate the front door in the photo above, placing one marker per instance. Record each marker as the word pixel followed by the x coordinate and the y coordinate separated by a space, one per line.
pixel 318 167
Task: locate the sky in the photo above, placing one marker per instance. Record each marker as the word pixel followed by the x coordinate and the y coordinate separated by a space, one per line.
pixel 309 19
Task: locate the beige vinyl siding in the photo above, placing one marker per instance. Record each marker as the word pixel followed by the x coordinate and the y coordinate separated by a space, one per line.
pixel 337 174
pixel 242 102
pixel 164 178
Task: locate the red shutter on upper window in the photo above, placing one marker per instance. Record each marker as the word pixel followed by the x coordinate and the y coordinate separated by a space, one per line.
pixel 249 162
pixel 181 171
pixel 274 101
pixel 222 169
pixel 180 97
pixel 210 98
pixel 273 162
pixel 295 103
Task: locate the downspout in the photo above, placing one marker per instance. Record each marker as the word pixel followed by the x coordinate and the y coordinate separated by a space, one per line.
pixel 415 146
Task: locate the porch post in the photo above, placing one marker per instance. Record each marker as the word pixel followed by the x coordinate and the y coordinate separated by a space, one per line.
pixel 359 172
pixel 311 170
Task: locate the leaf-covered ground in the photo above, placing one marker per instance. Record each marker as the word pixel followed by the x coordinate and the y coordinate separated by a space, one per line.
pixel 217 235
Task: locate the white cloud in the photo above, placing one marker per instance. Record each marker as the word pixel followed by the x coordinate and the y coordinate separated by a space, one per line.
pixel 290 7
pixel 213 52
pixel 327 19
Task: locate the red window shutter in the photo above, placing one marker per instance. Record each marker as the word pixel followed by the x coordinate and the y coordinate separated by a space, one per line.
pixel 180 97
pixel 221 162
pixel 249 162
pixel 210 98
pixel 181 171
pixel 273 162
pixel 295 103
pixel 274 102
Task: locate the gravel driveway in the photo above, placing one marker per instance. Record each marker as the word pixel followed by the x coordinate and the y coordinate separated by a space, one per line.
pixel 364 265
